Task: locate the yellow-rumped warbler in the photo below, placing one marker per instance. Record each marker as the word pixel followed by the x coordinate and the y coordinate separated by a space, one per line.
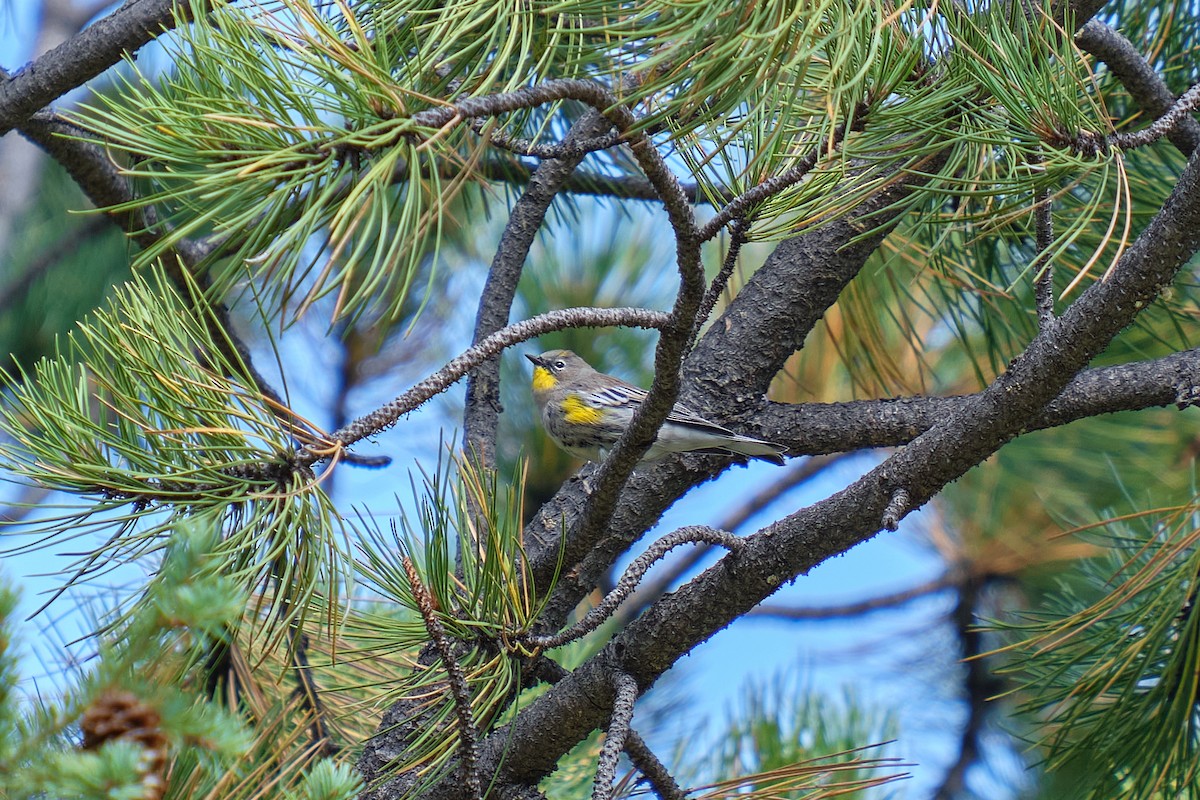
pixel 586 411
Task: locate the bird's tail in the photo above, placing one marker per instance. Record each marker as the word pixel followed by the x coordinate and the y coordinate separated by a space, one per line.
pixel 755 448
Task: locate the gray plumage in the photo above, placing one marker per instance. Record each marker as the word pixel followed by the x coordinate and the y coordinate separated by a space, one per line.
pixel 585 412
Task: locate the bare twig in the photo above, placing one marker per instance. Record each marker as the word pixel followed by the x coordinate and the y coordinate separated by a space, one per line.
pixel 625 692
pixel 388 414
pixel 1043 265
pixel 825 427
pixel 948 580
pixel 624 187
pixel 737 238
pixel 655 772
pixel 468 734
pixel 897 507
pixel 603 610
pixel 1181 109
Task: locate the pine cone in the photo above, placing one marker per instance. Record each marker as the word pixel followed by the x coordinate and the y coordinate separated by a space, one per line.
pixel 120 714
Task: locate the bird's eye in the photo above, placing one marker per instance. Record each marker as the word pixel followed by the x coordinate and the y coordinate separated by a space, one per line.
pixel 560 364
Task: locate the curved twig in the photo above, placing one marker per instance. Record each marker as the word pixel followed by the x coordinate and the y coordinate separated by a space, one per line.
pixel 387 415
pixel 693 534
pixel 625 692
pixel 468 733
pixel 1140 79
pixel 481 416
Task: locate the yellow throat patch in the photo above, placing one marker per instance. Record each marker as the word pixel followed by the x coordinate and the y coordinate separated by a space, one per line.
pixel 543 379
pixel 577 412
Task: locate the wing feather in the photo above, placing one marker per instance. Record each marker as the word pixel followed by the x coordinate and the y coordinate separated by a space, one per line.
pixel 628 396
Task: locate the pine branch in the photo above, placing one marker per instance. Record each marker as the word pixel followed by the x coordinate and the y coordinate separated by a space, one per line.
pixel 739 206
pixel 521 752
pixel 1145 85
pixel 91 168
pixel 86 55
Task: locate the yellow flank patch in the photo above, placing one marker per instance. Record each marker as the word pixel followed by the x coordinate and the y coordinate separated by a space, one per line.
pixel 577 412
pixel 543 379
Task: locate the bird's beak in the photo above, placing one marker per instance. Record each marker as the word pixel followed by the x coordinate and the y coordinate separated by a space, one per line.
pixel 537 362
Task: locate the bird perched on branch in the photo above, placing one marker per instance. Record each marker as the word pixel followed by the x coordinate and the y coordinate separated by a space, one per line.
pixel 585 412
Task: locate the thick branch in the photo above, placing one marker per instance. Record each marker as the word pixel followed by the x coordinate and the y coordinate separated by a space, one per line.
pixel 836 427
pixel 650 645
pixel 86 55
pixel 1145 85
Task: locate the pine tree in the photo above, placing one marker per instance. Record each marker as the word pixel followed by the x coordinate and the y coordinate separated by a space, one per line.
pixel 958 234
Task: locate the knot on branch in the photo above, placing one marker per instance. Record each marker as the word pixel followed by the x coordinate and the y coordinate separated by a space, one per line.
pixel 1089 144
pixel 1187 394
pixel 897 507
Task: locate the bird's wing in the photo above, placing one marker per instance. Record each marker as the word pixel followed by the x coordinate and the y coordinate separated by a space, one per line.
pixel 625 395
pixel 622 395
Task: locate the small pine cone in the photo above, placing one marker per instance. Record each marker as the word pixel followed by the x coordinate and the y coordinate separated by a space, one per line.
pixel 119 714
